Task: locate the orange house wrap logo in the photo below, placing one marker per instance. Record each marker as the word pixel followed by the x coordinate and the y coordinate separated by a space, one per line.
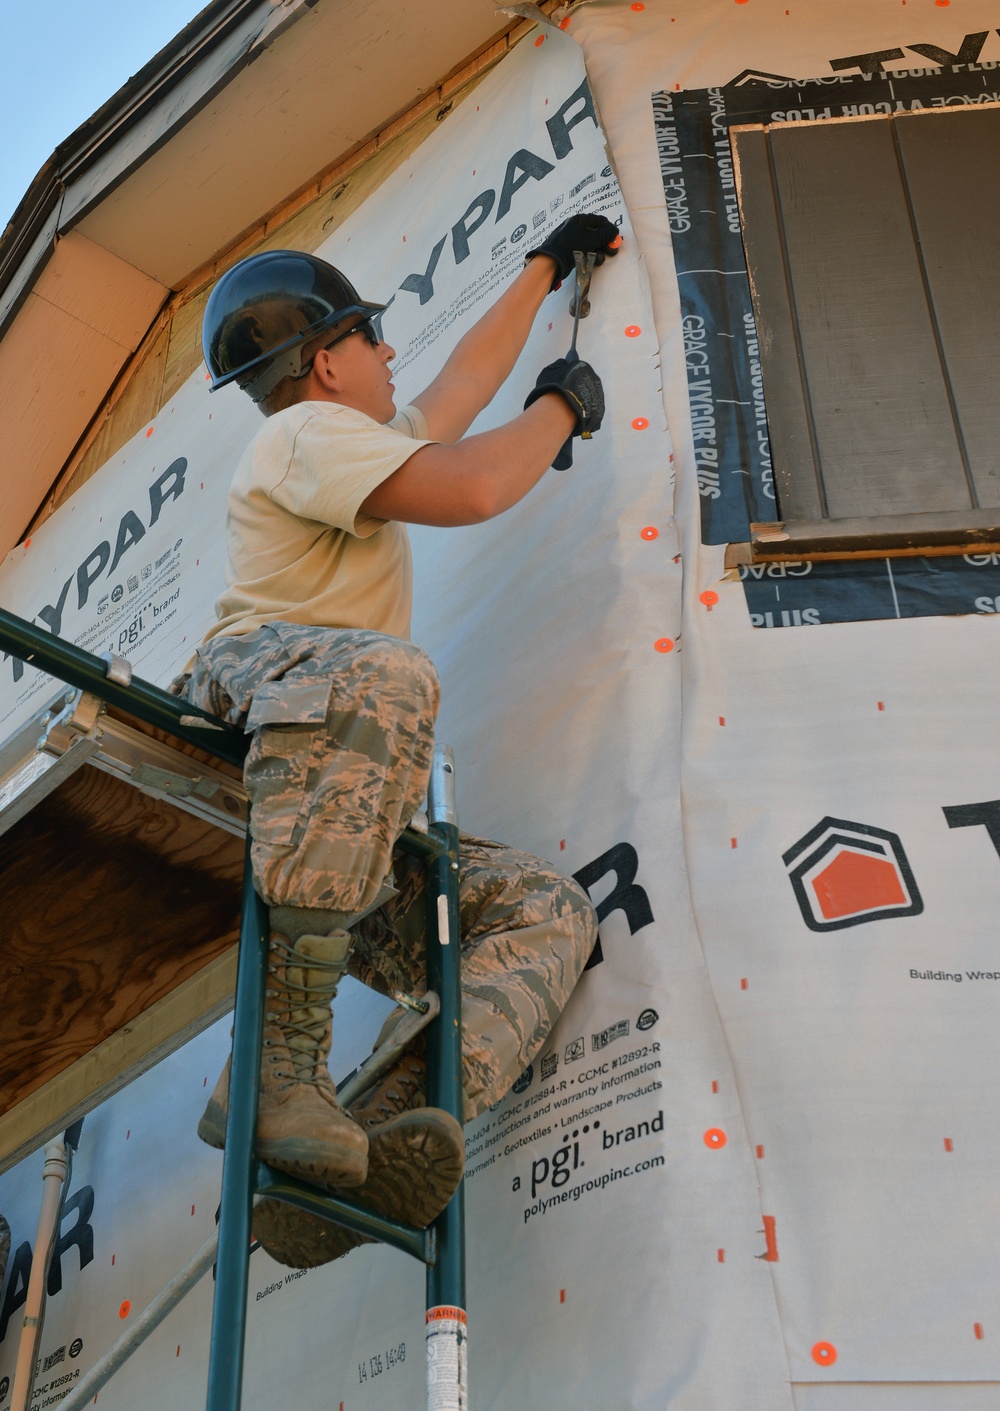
pixel 844 874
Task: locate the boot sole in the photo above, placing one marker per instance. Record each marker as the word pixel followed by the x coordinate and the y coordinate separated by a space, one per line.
pixel 415 1163
pixel 315 1162
pixel 322 1164
pixel 212 1127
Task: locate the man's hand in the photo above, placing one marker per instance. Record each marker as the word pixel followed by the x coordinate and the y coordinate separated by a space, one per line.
pixel 580 387
pixel 589 233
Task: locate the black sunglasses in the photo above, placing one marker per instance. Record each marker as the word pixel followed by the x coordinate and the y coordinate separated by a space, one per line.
pixel 371 327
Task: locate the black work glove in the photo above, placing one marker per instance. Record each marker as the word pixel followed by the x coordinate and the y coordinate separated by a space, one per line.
pixel 589 233
pixel 580 387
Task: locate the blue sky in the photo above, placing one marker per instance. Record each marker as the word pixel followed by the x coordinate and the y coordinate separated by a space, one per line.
pixel 59 61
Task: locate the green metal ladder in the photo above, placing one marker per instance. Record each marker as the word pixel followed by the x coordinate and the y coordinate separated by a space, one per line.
pixel 441 1247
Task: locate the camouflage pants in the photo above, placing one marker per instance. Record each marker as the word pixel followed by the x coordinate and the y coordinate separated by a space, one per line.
pixel 343 724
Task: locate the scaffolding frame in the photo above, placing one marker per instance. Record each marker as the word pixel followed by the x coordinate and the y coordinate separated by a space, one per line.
pixel 441 1247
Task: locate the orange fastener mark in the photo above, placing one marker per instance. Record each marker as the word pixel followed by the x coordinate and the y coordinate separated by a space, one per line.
pixel 942 4
pixel 650 532
pixel 709 598
pixel 665 644
pixel 564 24
pixel 760 1153
pixel 633 331
pixel 562 844
pixel 125 1309
pixel 722 720
pixel 825 1354
pixel 733 843
pixel 540 40
pixel 771 1241
pixel 638 5
pixel 178 1352
pixel 948 1144
pixel 715 1138
pixel 715 1086
pixel 977 1328
pixel 721 1256
pixel 112 1261
pixel 881 705
pixel 640 424
pixel 615 243
pixel 744 984
pixel 149 432
pixel 27 543
pixel 562 1295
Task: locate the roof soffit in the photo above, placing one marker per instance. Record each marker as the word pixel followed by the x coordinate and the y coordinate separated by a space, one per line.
pixel 341 71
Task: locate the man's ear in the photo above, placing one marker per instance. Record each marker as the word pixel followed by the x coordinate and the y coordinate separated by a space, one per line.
pixel 324 370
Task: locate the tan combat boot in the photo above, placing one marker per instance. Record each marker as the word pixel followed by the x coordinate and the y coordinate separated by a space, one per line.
pixel 416 1156
pixel 301 1128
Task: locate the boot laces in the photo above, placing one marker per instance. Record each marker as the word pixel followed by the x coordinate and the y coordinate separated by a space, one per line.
pixel 299 997
pixel 399 1092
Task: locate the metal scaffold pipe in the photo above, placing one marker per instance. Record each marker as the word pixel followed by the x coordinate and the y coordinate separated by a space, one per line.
pixel 147 1322
pixel 53 1176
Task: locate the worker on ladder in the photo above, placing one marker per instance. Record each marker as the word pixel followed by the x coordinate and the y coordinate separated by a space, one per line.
pixel 311 653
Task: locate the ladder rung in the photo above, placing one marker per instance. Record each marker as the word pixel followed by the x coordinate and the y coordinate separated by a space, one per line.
pixel 422 1244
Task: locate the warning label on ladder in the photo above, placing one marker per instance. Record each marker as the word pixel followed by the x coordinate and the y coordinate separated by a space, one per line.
pixel 447 1359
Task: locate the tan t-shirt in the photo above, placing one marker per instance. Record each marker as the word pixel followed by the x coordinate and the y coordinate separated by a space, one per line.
pixel 299 548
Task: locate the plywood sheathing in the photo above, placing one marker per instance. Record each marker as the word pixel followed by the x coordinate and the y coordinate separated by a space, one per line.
pixel 112 902
pixel 130 405
pixel 74 333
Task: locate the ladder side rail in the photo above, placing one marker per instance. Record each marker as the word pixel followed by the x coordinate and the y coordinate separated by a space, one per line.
pixel 447 1351
pixel 87 672
pixel 239 1165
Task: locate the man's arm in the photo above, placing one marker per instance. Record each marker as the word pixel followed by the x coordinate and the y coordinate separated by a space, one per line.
pixel 479 477
pixel 483 360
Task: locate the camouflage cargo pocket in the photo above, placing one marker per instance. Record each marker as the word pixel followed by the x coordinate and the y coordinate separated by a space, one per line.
pixel 281 773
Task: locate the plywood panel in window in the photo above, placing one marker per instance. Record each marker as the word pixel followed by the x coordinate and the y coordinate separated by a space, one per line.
pixel 884 429
pixel 797 477
pixel 951 160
